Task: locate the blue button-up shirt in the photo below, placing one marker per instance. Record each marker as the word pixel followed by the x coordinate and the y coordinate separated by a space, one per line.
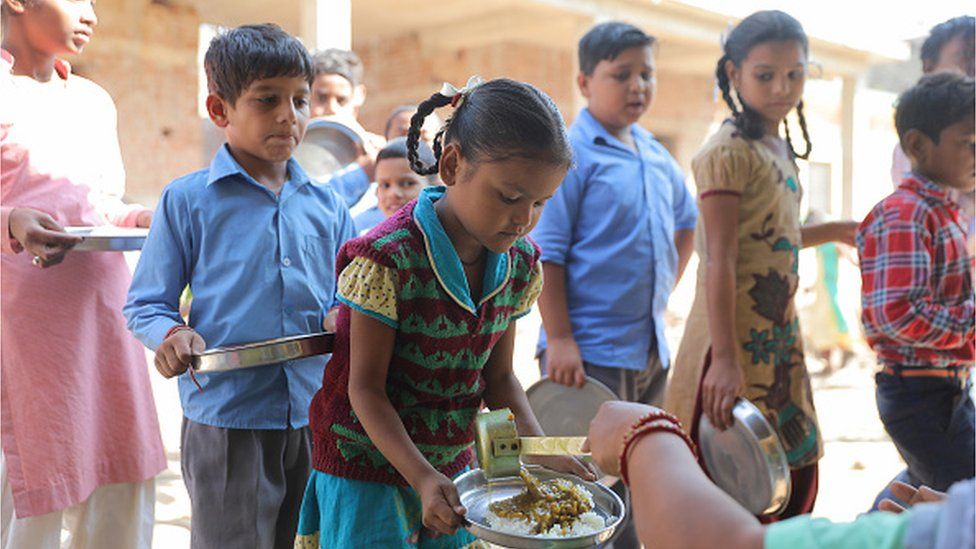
pixel 368 219
pixel 611 225
pixel 351 183
pixel 260 266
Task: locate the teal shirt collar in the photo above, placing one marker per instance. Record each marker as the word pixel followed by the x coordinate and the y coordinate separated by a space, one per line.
pixel 444 259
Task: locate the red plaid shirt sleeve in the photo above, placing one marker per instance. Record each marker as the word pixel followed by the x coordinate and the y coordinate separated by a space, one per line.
pixel 916 290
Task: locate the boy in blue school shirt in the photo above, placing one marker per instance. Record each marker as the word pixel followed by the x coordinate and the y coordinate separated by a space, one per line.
pixel 256 241
pixel 616 235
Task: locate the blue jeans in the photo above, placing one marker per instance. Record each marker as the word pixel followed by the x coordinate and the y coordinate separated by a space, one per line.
pixel 931 421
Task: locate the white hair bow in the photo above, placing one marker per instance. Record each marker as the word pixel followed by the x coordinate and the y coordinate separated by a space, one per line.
pixel 458 95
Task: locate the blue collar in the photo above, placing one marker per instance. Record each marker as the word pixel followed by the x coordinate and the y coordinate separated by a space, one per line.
pixel 593 131
pixel 224 165
pixel 444 259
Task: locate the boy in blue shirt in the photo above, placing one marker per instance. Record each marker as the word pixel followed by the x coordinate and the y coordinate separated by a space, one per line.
pixel 256 241
pixel 616 235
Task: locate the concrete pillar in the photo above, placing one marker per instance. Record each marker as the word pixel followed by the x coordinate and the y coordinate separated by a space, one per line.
pixel 848 89
pixel 326 24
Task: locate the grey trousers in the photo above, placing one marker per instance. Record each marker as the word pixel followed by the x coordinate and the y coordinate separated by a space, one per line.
pixel 646 386
pixel 245 485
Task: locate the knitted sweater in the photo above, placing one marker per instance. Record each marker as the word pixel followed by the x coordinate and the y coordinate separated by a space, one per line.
pixel 406 274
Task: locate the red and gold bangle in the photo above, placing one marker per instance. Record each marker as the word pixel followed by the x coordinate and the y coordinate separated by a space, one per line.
pixel 656 415
pixel 640 430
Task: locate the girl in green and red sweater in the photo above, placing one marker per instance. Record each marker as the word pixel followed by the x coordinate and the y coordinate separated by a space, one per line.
pixel 426 327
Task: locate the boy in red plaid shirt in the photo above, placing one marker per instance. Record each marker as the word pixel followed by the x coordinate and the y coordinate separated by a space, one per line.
pixel 917 290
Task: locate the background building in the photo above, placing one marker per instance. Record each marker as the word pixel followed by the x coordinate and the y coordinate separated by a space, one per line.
pixel 148 55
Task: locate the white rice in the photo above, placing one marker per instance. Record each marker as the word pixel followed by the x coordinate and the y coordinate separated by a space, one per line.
pixel 587 523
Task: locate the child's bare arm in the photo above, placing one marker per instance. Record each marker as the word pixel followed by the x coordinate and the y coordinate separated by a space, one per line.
pixel 834 231
pixel 563 359
pixel 724 380
pixel 684 241
pixel 370 351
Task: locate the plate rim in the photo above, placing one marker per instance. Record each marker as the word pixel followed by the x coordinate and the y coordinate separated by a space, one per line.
pixel 743 407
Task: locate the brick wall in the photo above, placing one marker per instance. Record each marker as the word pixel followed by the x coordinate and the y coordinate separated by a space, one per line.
pixel 144 54
pixel 402 70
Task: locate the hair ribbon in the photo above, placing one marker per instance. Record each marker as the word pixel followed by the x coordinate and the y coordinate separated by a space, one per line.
pixel 457 95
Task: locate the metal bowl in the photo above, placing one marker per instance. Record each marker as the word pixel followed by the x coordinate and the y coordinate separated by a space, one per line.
pixel 328 146
pixel 108 238
pixel 477 492
pixel 747 460
pixel 262 353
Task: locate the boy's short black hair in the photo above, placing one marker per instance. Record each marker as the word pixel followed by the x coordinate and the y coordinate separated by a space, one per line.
pixel 943 33
pixel 605 41
pixel 345 63
pixel 240 56
pixel 938 101
pixel 397 148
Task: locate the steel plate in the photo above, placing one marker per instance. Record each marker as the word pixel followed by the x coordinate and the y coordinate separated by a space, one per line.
pixel 476 493
pixel 747 460
pixel 327 147
pixel 108 238
pixel 567 411
pixel 262 353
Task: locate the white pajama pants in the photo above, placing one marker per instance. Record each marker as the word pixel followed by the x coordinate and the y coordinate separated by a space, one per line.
pixel 115 516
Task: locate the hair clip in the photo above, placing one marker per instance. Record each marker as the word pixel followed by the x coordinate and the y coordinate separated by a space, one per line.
pixel 457 95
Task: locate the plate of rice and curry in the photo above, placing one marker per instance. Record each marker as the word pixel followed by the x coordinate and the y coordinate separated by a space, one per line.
pixel 538 509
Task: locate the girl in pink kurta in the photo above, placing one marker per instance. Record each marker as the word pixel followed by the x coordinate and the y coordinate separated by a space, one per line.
pixel 78 427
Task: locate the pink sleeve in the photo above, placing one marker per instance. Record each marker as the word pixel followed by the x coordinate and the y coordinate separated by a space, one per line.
pixel 8 245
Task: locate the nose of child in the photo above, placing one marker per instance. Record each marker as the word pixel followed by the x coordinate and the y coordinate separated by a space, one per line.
pixel 331 107
pixel 781 86
pixel 288 113
pixel 521 219
pixel 88 16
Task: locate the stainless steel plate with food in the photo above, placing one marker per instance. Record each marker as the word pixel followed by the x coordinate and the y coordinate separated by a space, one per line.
pixel 108 238
pixel 597 525
pixel 327 147
pixel 747 460
pixel 262 353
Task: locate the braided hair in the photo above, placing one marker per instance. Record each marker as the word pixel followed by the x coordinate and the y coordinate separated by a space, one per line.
pixel 497 120
pixel 760 27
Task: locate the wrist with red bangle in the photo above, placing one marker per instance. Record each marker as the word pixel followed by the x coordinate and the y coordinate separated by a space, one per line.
pixel 649 424
pixel 176 328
